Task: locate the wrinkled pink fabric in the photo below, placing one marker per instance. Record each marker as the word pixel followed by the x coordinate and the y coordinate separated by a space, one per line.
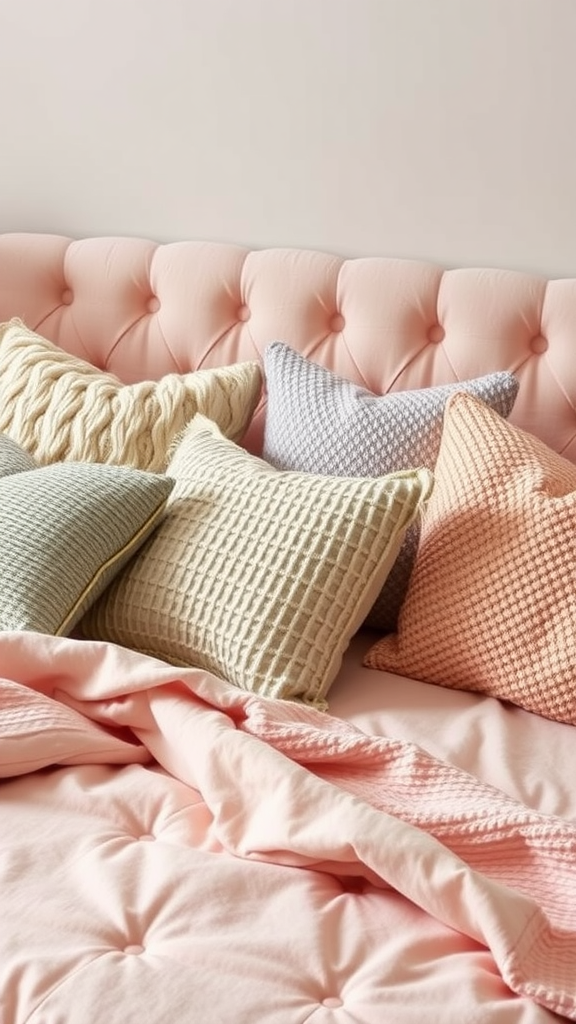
pixel 289 785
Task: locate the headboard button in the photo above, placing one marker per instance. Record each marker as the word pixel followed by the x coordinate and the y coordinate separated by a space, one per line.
pixel 243 314
pixel 539 344
pixel 436 334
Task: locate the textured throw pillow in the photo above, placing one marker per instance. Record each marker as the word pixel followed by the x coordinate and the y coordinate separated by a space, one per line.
pixel 317 422
pixel 257 575
pixel 491 604
pixel 60 407
pixel 65 530
pixel 13 458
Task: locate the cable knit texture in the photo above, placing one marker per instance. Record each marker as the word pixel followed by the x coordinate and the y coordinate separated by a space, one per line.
pixel 259 576
pixel 491 602
pixel 59 407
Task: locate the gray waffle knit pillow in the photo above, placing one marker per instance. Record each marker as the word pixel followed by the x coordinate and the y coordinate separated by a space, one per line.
pixel 65 531
pixel 318 422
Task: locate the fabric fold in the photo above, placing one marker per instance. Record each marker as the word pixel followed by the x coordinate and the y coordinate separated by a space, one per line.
pixel 290 785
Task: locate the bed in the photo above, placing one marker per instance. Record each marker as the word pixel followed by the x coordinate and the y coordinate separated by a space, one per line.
pixel 242 780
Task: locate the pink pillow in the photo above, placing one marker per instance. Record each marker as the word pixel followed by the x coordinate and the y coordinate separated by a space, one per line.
pixel 491 604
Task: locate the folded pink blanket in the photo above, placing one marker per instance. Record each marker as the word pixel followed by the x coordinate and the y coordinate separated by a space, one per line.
pixel 293 786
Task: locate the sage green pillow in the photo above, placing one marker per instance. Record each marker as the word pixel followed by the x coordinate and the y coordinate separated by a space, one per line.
pixel 65 531
pixel 13 458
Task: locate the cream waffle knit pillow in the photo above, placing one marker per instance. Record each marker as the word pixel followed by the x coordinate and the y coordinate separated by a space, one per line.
pixel 257 575
pixel 59 407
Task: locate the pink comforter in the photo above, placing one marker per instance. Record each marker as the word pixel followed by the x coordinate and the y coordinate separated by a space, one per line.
pixel 288 785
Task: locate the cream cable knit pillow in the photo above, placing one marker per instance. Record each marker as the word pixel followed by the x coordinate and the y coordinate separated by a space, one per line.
pixel 258 575
pixel 59 407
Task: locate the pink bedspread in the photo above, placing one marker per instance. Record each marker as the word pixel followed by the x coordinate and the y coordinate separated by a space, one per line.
pixel 290 786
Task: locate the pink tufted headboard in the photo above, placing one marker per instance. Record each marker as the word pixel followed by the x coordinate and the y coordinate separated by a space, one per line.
pixel 141 309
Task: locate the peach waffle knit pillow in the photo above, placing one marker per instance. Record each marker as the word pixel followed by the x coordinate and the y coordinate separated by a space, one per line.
pixel 491 604
pixel 60 408
pixel 258 575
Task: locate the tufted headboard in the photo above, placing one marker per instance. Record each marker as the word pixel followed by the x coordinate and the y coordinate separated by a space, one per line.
pixel 142 309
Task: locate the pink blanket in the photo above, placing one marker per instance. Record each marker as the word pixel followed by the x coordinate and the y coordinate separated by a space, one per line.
pixel 292 786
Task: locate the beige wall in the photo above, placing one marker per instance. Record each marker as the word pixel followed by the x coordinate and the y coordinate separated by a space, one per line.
pixel 443 129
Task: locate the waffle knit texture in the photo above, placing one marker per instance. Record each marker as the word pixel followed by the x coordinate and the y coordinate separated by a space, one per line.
pixel 318 422
pixel 257 575
pixel 491 604
pixel 59 407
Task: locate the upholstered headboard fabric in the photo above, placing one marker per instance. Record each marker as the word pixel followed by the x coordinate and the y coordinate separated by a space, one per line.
pixel 138 308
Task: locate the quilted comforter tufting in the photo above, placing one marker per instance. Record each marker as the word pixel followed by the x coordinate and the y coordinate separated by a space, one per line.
pixel 179 853
pixel 175 849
